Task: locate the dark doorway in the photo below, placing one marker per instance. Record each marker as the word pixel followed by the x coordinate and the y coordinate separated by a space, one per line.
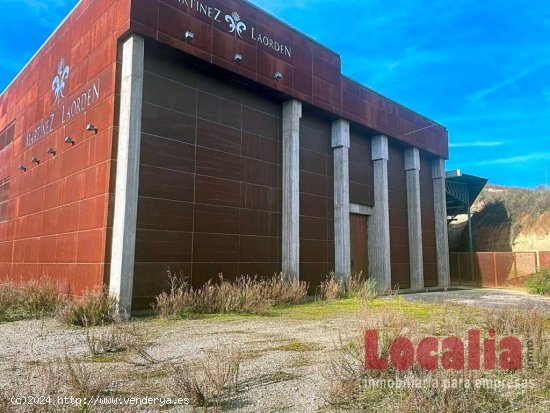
pixel 359 244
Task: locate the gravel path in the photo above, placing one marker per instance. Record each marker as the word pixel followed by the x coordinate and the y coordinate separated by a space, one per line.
pixel 485 298
pixel 283 358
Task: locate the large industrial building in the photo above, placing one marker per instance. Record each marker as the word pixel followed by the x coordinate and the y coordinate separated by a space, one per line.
pixel 209 137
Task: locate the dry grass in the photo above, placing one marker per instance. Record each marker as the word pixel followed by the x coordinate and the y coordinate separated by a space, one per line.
pixel 41 380
pixel 208 381
pixel 285 291
pixel 9 298
pixel 82 381
pixel 330 289
pixel 530 326
pixel 47 381
pixel 353 286
pixel 35 298
pixel 518 201
pixel 93 309
pixel 245 295
pixel 39 298
pixel 115 338
pixel 351 387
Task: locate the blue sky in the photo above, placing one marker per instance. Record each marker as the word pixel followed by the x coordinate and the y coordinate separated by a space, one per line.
pixel 481 68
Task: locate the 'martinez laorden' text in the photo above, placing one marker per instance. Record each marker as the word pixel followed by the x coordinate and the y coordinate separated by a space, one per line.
pixel 217 15
pixel 81 103
pixel 43 129
pixel 202 8
pixel 64 113
pixel 269 42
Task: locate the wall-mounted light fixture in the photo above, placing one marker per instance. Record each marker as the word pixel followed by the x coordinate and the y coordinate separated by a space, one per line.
pixel 69 140
pixel 35 160
pixel 51 151
pixel 238 57
pixel 91 128
pixel 189 36
pixel 278 76
pixel 22 168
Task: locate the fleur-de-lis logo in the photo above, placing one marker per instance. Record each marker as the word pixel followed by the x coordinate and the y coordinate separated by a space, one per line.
pixel 236 26
pixel 58 84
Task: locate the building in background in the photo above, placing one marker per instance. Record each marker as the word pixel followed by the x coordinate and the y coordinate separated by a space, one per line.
pixel 209 137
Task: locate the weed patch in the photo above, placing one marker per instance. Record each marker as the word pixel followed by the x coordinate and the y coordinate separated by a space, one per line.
pixel 208 381
pixel 352 387
pixel 539 283
pixel 353 286
pixel 299 346
pixel 245 295
pixel 34 299
pixel 115 338
pixel 93 309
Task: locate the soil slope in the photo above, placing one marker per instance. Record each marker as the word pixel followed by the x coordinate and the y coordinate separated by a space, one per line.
pixel 506 219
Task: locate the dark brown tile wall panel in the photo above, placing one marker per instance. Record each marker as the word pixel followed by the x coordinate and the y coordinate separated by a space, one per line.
pixel 151 278
pixel 428 222
pixel 210 197
pixel 399 232
pixel 158 182
pixel 57 210
pixel 170 124
pixel 311 72
pixel 316 199
pixel 226 140
pixel 167 154
pixel 216 219
pixel 361 178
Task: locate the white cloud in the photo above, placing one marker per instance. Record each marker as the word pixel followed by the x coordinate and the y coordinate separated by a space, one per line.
pixel 476 144
pixel 496 115
pixel 44 13
pixel 536 156
pixel 483 93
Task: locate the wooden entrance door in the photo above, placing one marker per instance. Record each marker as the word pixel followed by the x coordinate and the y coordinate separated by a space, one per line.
pixel 359 244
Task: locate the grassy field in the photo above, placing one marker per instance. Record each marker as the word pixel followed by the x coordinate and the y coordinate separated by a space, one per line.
pixel 297 358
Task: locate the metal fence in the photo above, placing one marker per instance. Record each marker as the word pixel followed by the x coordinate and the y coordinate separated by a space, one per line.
pixel 496 269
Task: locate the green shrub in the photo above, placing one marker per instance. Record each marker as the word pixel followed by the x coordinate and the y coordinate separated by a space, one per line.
pixel 93 309
pixel 539 283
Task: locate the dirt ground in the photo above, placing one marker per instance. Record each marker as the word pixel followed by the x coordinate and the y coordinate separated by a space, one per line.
pixel 485 298
pixel 284 356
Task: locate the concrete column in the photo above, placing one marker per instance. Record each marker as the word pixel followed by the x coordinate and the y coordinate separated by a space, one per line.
pixel 441 237
pixel 127 173
pixel 414 213
pixel 379 223
pixel 292 113
pixel 340 146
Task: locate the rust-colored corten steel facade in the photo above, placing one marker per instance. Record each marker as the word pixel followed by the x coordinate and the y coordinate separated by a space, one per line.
pixel 208 137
